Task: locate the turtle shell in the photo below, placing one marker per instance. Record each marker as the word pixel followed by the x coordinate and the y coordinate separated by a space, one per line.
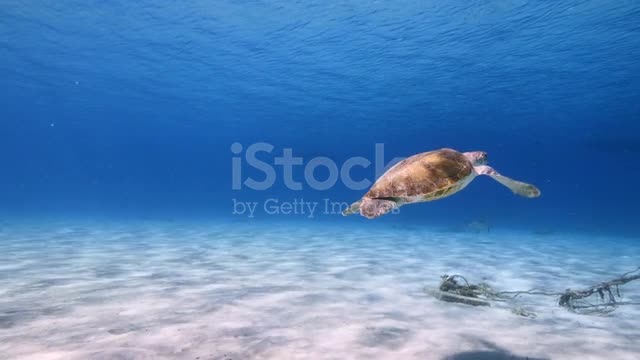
pixel 429 174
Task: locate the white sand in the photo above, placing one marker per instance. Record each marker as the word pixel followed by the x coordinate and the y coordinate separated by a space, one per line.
pixel 207 291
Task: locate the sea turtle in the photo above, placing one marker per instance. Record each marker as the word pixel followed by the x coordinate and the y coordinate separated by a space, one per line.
pixel 430 176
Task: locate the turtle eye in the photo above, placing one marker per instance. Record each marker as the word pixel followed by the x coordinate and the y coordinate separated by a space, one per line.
pixel 482 159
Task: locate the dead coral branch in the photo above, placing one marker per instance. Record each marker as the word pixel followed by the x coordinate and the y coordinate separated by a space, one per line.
pixel 608 293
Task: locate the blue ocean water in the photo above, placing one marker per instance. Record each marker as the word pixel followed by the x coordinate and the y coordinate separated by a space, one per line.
pixel 121 108
pixel 143 117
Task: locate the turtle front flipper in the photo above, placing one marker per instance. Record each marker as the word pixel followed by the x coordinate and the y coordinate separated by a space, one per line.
pixel 518 187
pixel 354 208
pixel 374 207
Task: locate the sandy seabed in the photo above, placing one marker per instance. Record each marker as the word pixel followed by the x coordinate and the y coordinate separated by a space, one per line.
pixel 214 291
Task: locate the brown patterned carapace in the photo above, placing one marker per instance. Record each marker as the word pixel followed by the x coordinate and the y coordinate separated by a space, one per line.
pixel 432 175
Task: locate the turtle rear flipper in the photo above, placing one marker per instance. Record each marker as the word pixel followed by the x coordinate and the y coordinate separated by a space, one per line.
pixel 354 208
pixel 372 208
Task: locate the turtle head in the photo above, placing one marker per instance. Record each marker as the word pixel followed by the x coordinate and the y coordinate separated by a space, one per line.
pixel 477 157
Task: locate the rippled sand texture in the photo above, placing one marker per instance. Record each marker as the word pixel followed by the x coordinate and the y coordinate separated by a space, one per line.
pixel 153 291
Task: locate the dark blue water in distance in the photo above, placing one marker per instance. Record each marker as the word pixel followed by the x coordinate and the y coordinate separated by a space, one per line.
pixel 126 109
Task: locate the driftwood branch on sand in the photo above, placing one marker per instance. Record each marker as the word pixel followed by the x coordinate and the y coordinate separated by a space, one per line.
pixel 456 288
